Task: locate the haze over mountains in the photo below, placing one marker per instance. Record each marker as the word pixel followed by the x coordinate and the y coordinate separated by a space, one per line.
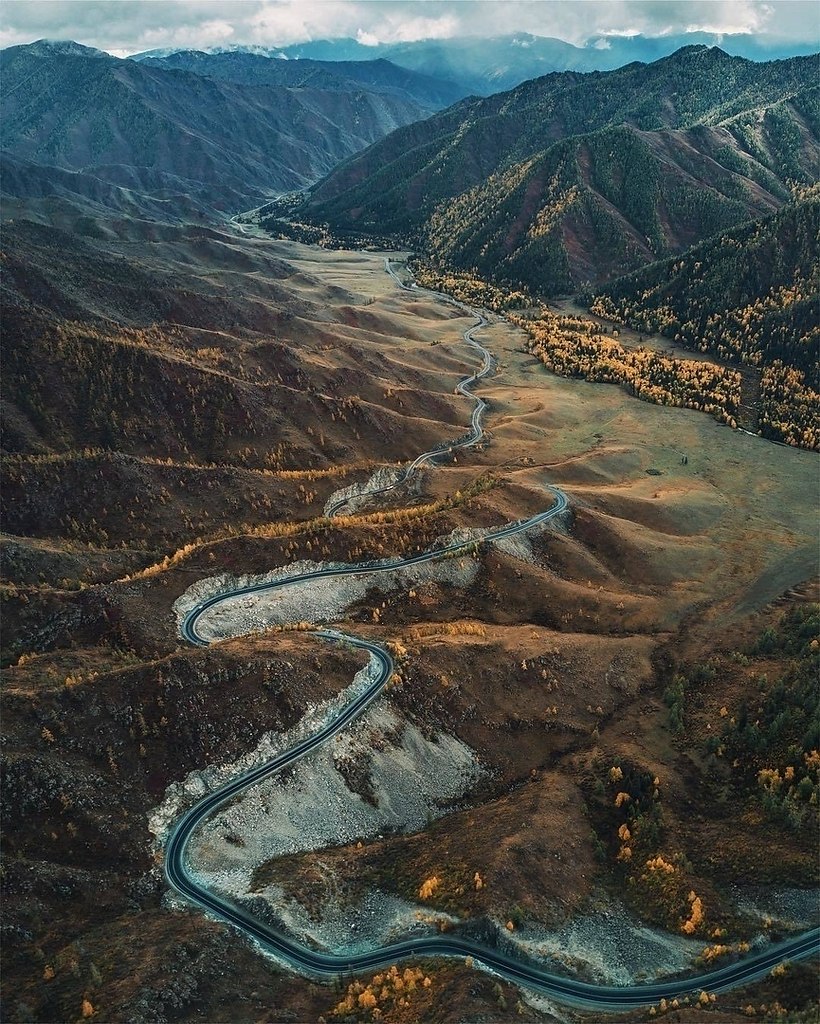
pixel 482 66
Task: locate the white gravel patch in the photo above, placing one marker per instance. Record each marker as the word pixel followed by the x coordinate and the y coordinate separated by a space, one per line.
pixel 551 1013
pixel 315 601
pixel 518 546
pixel 326 600
pixel 379 918
pixel 413 779
pixel 608 945
pixel 358 495
pixel 788 908
pixel 181 795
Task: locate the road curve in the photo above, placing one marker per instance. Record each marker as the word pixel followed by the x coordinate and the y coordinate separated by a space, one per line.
pixel 511 967
pixel 499 959
pixel 188 626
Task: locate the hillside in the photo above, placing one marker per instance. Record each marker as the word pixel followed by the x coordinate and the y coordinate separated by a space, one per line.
pixel 594 204
pixel 749 295
pixel 170 132
pixel 82 201
pixel 135 339
pixel 180 402
pixel 570 178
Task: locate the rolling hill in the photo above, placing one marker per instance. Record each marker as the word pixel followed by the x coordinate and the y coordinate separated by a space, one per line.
pixel 81 201
pixel 572 179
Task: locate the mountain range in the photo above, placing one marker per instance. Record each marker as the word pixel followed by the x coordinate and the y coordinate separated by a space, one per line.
pixel 572 179
pixel 223 139
pixel 378 76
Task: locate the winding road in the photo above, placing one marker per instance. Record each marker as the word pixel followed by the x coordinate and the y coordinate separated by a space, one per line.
pixel 500 959
pixel 464 387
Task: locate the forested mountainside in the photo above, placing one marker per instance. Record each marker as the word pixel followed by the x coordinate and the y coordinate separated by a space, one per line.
pixel 592 205
pixel 749 295
pixel 572 178
pixel 380 76
pixel 172 133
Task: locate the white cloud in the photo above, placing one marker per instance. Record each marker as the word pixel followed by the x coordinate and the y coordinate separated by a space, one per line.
pixel 292 21
pixel 397 29
pixel 125 26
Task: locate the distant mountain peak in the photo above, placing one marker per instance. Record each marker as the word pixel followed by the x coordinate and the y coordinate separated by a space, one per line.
pixel 231 48
pixel 65 48
pixel 703 49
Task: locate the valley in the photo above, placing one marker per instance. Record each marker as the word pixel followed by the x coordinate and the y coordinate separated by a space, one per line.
pixel 659 563
pixel 592 187
pixel 410 592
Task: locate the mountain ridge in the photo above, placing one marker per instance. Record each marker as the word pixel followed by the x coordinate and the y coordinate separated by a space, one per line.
pixel 380 75
pixel 659 155
pixel 166 131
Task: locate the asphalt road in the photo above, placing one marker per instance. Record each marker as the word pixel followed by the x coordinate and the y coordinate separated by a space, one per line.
pixel 189 624
pixel 500 959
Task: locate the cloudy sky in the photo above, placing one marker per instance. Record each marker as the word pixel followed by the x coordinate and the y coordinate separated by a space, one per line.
pixel 127 26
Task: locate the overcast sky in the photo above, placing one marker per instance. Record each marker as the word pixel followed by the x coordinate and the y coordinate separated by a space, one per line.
pixel 128 26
